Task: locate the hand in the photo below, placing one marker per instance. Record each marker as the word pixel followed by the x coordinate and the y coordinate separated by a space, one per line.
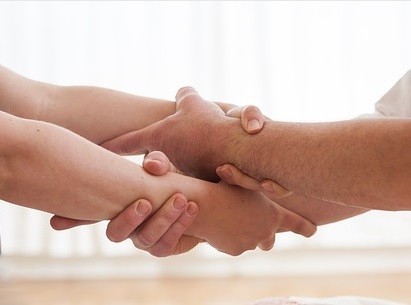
pixel 231 175
pixel 235 226
pixel 260 219
pixel 182 136
pixel 162 233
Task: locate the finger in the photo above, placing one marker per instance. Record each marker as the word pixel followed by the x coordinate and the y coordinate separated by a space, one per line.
pixel 273 190
pixel 185 92
pixel 173 241
pixel 120 227
pixel 189 98
pixel 62 223
pixel 155 227
pixel 225 106
pixel 267 244
pixel 135 142
pixel 252 120
pixel 186 243
pixel 233 176
pixel 157 163
pixel 297 224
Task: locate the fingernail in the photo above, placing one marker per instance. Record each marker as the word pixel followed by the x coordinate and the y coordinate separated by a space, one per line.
pixel 143 208
pixel 225 172
pixel 179 203
pixel 158 162
pixel 253 125
pixel 192 209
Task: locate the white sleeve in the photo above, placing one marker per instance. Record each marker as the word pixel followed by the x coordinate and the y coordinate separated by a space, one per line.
pixel 397 101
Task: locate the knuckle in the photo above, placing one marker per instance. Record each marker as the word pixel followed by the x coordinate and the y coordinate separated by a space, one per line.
pixel 236 252
pixel 251 109
pixel 131 220
pixel 113 237
pixel 184 222
pixel 170 216
pixel 184 92
pixel 144 239
pixel 251 112
pixel 124 146
pixel 164 248
pixel 158 252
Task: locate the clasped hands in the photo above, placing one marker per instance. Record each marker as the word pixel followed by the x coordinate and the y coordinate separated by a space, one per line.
pixel 192 142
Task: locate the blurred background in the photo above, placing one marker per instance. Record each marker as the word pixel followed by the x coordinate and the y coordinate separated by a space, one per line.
pixel 297 61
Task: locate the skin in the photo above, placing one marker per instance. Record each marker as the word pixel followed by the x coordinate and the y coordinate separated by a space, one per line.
pixel 51 168
pixel 39 172
pixel 317 210
pixel 343 160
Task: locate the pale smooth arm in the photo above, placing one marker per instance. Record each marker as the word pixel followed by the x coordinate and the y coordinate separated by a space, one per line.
pixel 98 114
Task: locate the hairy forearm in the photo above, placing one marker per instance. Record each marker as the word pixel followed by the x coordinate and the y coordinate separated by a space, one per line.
pixel 361 163
pixel 319 211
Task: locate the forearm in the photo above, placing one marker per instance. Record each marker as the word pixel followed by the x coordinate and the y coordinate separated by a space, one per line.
pixel 361 163
pixel 97 114
pixel 100 114
pixel 52 169
pixel 319 211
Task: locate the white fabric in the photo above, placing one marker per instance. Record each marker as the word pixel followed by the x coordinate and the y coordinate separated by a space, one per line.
pixel 345 300
pixel 396 102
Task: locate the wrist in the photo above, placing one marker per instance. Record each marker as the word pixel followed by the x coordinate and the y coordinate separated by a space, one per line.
pixel 227 148
pixel 207 196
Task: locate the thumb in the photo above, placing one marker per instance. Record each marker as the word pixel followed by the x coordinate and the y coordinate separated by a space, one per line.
pixel 158 164
pixel 185 244
pixel 252 120
pixel 297 224
pixel 135 142
pixel 62 223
